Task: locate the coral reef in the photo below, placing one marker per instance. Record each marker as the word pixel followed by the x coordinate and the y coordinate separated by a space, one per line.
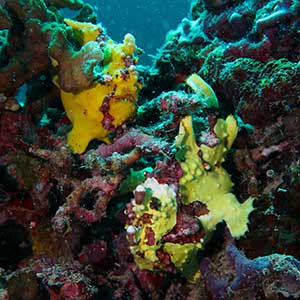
pixel 274 276
pixel 34 31
pixel 113 178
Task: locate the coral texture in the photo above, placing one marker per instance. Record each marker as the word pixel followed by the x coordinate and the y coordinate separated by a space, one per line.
pixel 158 212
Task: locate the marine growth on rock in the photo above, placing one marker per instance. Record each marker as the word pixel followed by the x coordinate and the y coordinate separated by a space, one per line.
pixel 179 180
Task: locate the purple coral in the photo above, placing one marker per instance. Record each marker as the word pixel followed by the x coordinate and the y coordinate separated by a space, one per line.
pixel 269 277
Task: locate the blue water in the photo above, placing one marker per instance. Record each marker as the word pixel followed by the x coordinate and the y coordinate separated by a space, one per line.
pixel 148 21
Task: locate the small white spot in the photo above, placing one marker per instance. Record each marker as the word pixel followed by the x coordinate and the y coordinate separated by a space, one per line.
pixel 131 229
